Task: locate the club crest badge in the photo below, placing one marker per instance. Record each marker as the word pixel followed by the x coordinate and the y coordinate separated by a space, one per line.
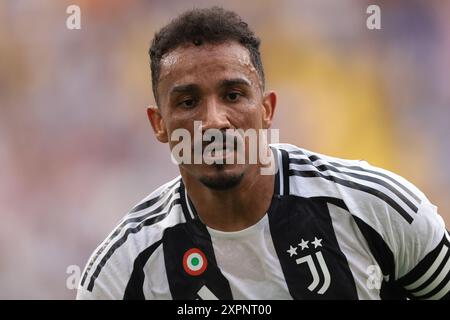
pixel 315 262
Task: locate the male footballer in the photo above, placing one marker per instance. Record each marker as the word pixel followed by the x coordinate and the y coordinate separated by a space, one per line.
pixel 314 227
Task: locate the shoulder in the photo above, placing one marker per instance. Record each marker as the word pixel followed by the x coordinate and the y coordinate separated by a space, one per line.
pixel 390 210
pixel 109 267
pixel 356 182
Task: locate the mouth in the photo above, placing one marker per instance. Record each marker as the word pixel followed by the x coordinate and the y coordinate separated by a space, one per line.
pixel 229 150
pixel 218 153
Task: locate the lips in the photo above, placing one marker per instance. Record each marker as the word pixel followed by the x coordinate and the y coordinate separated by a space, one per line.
pixel 221 147
pixel 218 151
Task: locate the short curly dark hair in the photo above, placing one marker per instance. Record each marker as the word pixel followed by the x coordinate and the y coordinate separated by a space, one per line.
pixel 197 26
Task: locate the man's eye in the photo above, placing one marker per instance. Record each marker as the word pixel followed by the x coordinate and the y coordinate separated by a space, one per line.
pixel 233 96
pixel 187 103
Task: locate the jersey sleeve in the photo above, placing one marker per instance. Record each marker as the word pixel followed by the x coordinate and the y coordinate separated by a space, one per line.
pixel 418 245
pixel 406 236
pixel 108 285
pixel 424 257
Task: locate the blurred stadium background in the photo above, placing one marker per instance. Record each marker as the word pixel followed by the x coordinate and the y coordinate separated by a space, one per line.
pixel 76 150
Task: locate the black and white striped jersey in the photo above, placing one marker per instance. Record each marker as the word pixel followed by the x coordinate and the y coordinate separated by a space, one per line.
pixel 336 229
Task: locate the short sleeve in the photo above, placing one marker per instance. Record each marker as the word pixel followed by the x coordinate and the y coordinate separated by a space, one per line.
pixel 424 258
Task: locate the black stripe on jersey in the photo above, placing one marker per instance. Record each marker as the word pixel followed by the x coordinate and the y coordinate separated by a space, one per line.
pixel 335 201
pixel 148 222
pixel 441 278
pixel 184 204
pixel 325 167
pixel 390 290
pixel 314 158
pixel 276 187
pixel 191 206
pixel 285 166
pixel 356 186
pixel 293 219
pixel 134 289
pixel 381 174
pixel 442 290
pixel 177 240
pixel 128 221
pixel 431 275
pixel 150 202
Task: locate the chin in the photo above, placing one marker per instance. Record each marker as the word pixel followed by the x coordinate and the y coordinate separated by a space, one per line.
pixel 222 179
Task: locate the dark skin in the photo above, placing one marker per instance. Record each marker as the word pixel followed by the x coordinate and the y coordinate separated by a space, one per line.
pixel 218 85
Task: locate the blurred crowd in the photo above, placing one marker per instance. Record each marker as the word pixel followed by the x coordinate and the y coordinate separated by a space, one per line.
pixel 76 149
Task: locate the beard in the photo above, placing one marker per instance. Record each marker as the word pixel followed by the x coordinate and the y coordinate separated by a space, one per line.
pixel 222 181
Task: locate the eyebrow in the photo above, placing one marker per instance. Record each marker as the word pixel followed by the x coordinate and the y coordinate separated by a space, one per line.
pixel 235 81
pixel 184 88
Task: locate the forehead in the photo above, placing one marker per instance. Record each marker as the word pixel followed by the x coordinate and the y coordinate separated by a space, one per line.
pixel 205 64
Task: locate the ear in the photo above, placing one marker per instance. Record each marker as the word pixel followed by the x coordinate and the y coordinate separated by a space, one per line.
pixel 269 104
pixel 157 122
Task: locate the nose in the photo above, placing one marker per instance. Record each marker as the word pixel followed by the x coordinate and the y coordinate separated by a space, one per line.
pixel 214 116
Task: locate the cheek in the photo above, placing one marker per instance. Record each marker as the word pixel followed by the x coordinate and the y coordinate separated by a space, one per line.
pixel 186 123
pixel 179 130
pixel 249 117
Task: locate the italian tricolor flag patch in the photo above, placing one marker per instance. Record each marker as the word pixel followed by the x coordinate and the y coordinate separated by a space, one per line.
pixel 194 262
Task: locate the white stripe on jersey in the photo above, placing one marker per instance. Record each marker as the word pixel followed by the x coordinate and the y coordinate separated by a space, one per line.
pixel 442 274
pixel 359 258
pixel 427 275
pixel 156 284
pixel 441 293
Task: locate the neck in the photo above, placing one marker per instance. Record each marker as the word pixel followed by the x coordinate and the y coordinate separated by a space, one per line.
pixel 233 209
